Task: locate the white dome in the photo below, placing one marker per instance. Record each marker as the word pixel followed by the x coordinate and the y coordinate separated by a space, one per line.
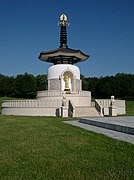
pixel 57 70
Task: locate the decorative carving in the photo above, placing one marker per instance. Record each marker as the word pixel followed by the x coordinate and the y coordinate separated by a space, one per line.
pixel 78 87
pixel 64 102
pixel 112 101
pixel 54 84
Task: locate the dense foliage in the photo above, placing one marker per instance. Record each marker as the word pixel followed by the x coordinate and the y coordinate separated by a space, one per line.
pixel 26 85
pixel 121 86
pixel 22 86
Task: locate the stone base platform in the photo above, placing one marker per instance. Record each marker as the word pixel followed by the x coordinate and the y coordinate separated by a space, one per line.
pixel 50 103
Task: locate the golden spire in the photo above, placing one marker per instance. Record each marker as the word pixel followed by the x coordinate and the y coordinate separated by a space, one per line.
pixel 63 20
pixel 63 33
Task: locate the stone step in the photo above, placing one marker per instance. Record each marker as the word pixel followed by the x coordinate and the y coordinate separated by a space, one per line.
pixel 86 111
pixel 113 134
pixel 116 124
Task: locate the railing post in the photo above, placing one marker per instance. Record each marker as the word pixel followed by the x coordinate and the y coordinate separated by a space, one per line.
pixel 64 108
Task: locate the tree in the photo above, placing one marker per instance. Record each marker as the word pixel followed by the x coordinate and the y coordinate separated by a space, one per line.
pixel 92 83
pixel 84 82
pixel 6 84
pixel 25 86
pixel 41 81
pixel 123 85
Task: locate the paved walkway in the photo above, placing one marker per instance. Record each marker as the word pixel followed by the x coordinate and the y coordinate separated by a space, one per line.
pixel 122 120
pixel 117 124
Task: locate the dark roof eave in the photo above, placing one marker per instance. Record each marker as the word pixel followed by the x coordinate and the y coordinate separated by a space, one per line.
pixel 64 56
pixel 67 50
pixel 73 53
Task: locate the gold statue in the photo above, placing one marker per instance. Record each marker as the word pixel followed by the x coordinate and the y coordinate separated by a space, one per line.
pixel 66 79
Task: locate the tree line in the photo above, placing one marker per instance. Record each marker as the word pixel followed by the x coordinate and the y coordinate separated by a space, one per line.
pixel 121 86
pixel 26 85
pixel 22 86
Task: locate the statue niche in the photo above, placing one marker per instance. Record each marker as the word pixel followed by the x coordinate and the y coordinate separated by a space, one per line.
pixel 68 81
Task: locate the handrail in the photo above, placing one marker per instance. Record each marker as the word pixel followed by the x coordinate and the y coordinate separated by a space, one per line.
pixel 98 107
pixel 60 93
pixel 71 109
pixel 103 102
pixel 31 103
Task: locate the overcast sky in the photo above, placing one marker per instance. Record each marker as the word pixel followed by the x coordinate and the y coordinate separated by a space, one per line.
pixel 103 29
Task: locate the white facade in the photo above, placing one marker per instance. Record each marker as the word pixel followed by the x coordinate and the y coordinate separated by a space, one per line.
pixel 58 70
pixel 57 75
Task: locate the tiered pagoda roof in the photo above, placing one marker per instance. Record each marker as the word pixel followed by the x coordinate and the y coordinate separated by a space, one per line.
pixel 63 54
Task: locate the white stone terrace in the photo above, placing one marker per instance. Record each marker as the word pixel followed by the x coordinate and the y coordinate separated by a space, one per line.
pixel 51 93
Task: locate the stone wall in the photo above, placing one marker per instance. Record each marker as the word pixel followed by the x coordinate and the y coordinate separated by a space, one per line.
pixel 54 84
pixel 32 107
pixel 58 85
pixel 79 98
pixel 48 103
pixel 104 104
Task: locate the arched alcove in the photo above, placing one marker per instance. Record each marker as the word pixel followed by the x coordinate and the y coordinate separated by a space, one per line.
pixel 68 78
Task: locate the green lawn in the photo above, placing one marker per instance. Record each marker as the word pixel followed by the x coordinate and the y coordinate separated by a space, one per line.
pixel 45 148
pixel 130 108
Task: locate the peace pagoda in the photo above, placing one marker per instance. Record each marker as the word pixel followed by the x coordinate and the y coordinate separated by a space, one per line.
pixel 64 96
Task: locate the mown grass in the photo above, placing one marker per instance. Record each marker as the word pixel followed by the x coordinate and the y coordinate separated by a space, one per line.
pixel 45 148
pixel 130 108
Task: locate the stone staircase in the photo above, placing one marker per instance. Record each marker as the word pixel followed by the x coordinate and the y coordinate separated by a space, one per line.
pixel 86 111
pixel 120 124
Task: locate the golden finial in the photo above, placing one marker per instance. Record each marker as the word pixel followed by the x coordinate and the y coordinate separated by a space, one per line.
pixel 63 20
